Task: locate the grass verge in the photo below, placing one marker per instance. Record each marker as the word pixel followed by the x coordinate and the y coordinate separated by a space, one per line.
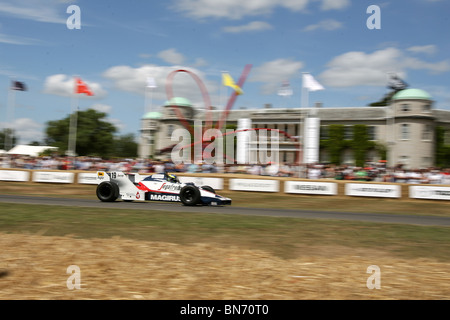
pixel 259 199
pixel 284 237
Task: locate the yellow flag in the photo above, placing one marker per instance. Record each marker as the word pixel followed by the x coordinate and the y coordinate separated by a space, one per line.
pixel 229 82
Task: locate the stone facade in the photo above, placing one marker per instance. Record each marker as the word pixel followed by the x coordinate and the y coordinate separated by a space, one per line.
pixel 406 127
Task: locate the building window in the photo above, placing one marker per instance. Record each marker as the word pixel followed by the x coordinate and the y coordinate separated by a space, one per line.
pixel 427 132
pixel 372 133
pixel 426 108
pixel 324 133
pixel 405 107
pixel 404 131
pixel 348 133
pixel 170 130
pixel 447 137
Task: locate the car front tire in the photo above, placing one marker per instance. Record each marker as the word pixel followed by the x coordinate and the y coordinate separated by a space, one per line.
pixel 190 195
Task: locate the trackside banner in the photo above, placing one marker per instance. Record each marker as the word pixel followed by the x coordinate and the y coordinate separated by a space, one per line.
pixel 11 175
pixel 373 190
pixel 301 187
pixel 429 192
pixel 260 185
pixel 215 183
pixel 53 177
pixel 87 178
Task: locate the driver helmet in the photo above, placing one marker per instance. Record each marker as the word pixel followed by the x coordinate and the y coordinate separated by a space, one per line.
pixel 172 178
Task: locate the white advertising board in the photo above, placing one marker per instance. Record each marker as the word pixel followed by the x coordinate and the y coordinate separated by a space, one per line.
pixel 429 192
pixel 304 187
pixel 215 183
pixel 87 178
pixel 12 175
pixel 260 185
pixel 373 190
pixel 53 177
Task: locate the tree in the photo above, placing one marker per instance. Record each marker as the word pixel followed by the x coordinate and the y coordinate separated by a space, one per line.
pixel 442 150
pixel 95 135
pixel 6 134
pixel 125 146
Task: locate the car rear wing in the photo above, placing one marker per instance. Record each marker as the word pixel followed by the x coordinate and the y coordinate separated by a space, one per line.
pixel 117 175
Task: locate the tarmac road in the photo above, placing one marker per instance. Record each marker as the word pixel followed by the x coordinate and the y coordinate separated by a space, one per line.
pixel 177 207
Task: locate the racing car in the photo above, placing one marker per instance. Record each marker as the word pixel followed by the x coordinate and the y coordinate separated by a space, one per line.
pixel 156 187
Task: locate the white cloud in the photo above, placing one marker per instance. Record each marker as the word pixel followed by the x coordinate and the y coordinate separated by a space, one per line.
pixel 235 9
pixel 359 68
pixel 427 49
pixel 64 85
pixel 26 130
pixel 171 56
pixel 434 68
pixel 272 73
pixel 101 107
pixel 334 4
pixel 117 123
pixel 327 25
pixel 134 80
pixel 50 11
pixel 250 27
pixel 10 39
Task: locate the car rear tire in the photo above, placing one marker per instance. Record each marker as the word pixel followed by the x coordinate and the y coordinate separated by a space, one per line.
pixel 190 195
pixel 108 191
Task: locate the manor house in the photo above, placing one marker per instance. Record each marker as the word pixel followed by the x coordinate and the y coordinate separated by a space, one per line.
pixel 403 131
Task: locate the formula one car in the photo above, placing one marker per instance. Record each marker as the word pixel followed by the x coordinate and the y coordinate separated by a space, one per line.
pixel 156 187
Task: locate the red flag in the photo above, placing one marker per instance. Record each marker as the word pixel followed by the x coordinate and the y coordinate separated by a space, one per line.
pixel 82 87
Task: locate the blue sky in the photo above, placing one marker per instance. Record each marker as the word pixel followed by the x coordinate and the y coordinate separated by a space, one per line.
pixel 121 43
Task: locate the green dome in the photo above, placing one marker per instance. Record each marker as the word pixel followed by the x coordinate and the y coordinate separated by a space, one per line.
pixel 152 115
pixel 412 94
pixel 178 101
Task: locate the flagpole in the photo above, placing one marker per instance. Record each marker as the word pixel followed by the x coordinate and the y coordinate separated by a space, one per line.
pixel 304 104
pixel 71 149
pixel 9 116
pixel 222 104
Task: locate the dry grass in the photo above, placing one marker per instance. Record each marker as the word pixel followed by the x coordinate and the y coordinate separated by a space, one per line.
pixel 34 267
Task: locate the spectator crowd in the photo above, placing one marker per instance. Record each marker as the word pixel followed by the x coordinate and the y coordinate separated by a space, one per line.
pixel 377 172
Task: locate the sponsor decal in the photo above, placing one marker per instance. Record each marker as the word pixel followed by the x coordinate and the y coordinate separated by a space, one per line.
pixel 164 197
pixel 260 185
pixel 373 190
pixel 301 187
pixel 429 192
pixel 170 187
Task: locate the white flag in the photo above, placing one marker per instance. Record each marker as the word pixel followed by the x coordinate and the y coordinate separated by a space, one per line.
pixel 151 83
pixel 310 83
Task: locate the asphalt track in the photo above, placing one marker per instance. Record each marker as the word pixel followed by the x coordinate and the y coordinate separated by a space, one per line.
pixel 232 210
